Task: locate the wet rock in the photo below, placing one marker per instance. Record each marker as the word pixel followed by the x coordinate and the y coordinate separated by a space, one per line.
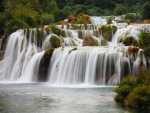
pixel 89 41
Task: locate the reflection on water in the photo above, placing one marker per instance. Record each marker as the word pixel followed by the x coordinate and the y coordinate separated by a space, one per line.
pixel 39 98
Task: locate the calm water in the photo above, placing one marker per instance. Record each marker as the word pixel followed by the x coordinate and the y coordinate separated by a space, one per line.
pixel 41 98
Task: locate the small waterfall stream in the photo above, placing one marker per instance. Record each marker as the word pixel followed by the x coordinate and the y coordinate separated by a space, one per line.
pixel 72 63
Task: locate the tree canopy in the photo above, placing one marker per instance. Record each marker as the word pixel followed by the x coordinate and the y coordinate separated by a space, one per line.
pixel 16 14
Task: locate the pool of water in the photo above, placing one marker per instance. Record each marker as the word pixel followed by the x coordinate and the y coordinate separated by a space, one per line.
pixel 42 98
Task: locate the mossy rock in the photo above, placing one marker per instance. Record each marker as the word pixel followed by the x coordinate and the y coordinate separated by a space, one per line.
pixel 44 65
pixel 48 53
pixel 129 40
pixel 1 55
pixel 47 29
pixel 89 41
pixel 133 49
pixel 107 32
pixel 104 42
pixel 114 29
pixel 96 33
pixel 56 42
pixel 80 34
pixel 63 33
pixel 120 39
pixel 55 29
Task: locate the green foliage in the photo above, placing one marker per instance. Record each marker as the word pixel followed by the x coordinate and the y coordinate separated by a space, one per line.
pixel 80 34
pixel 109 19
pixel 144 77
pixel 93 12
pixel 106 29
pixel 146 10
pixel 125 87
pixel 55 41
pixel 73 50
pixel 120 9
pixel 60 15
pixel 114 28
pixel 55 29
pixel 139 97
pixel 79 9
pixel 144 42
pixel 81 21
pixel 47 18
pixel 135 91
pixel 130 16
pixel 67 10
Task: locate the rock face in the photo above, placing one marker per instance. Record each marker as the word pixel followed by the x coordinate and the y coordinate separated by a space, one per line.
pixel 89 41
pixel 107 32
pixel 44 65
pixel 129 40
pixel 47 29
pixel 104 42
pixel 56 42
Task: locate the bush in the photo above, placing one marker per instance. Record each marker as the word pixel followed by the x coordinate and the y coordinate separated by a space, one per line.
pixel 125 87
pixel 47 18
pixel 135 91
pixel 144 42
pixel 130 16
pixel 109 20
pixel 81 21
pixel 139 97
pixel 120 9
pixel 106 29
pixel 146 10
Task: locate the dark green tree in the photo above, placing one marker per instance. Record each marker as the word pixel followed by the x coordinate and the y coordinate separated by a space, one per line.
pixel 146 10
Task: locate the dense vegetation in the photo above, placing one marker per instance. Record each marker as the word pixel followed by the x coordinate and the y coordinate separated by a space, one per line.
pixel 16 14
pixel 134 91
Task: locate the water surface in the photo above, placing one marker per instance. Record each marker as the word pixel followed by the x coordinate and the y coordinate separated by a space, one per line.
pixel 42 98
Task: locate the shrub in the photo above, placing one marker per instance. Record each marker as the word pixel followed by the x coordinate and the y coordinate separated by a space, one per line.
pixel 120 9
pixel 146 10
pixel 81 21
pixel 125 87
pixel 144 42
pixel 139 97
pixel 47 18
pixel 106 29
pixel 109 20
pixel 134 91
pixel 130 16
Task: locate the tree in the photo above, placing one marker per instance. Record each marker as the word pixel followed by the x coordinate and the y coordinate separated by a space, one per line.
pixel 120 9
pixel 146 10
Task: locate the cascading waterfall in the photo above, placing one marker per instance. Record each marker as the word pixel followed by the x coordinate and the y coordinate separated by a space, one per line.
pixel 18 53
pixel 72 63
pixel 88 65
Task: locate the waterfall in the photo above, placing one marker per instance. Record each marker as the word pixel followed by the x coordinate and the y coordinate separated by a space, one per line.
pixel 72 63
pixel 19 52
pixel 87 65
pixel 31 70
